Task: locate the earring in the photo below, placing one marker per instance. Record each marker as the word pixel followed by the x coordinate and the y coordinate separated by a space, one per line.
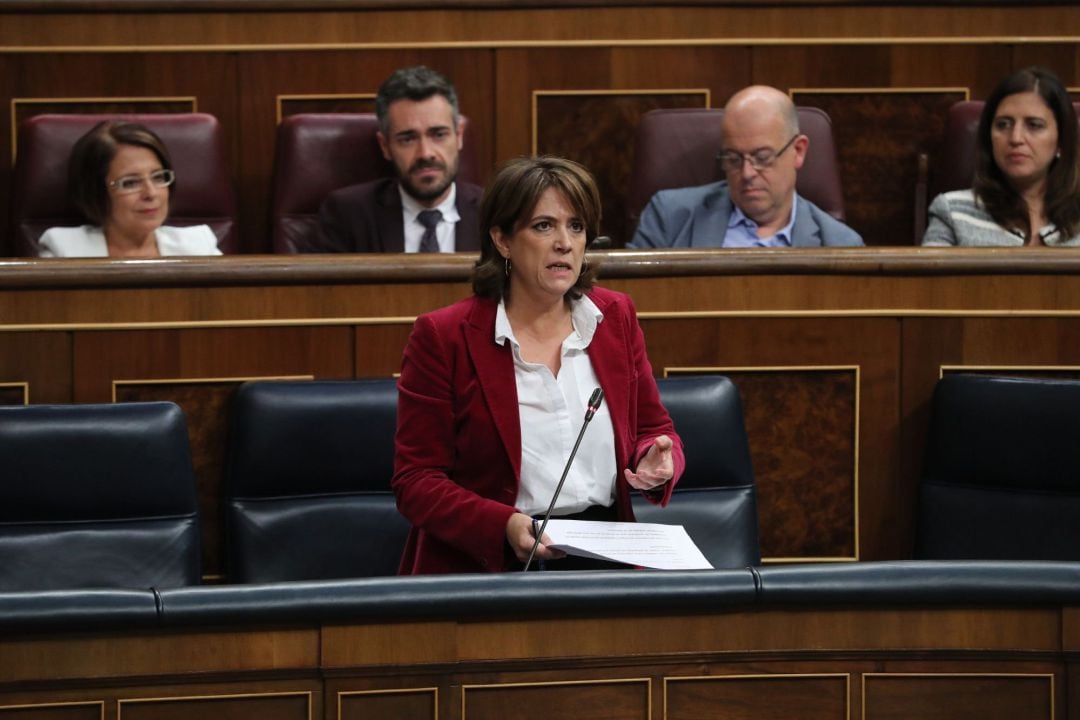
pixel 506 266
pixel 1057 155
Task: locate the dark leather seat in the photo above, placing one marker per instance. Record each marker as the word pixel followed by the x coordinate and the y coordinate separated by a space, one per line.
pixel 308 481
pixel 715 499
pixel 678 148
pixel 96 496
pixel 1001 476
pixel 203 191
pixel 318 153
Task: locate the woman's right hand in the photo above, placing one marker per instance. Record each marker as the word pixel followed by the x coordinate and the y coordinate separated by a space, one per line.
pixel 519 533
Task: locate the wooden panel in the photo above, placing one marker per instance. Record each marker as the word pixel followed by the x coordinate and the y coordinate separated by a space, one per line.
pixel 38 363
pixel 58 711
pixel 879 137
pixel 412 704
pixel 267 75
pixel 285 706
pixel 959 697
pixel 819 408
pixel 599 700
pixel 761 697
pixel 378 349
pixel 325 103
pixel 596 129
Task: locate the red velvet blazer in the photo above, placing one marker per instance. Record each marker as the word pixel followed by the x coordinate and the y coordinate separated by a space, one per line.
pixel 457 460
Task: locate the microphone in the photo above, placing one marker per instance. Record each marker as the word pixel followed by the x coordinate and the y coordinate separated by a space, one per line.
pixel 595 399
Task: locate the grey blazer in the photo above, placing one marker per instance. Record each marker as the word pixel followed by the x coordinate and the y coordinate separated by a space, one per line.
pixel 697 217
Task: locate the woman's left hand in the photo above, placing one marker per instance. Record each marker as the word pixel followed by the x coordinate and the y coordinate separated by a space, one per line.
pixel 655 469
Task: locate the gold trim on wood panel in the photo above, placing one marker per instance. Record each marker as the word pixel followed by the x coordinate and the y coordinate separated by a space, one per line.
pixel 745 41
pixel 642 315
pixel 229 696
pixel 54 101
pixel 932 675
pixel 279 100
pixel 79 703
pixel 877 90
pixel 536 94
pixel 25 388
pixel 942 369
pixel 393 691
pixel 598 681
pixel 766 676
pixel 720 369
pixel 196 381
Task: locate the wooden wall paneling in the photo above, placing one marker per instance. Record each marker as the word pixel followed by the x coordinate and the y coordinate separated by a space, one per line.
pixel 821 66
pixel 1062 58
pixel 271 706
pixel 413 703
pixel 379 347
pixel 978 67
pixel 791 525
pixel 93 710
pixel 880 134
pixel 960 696
pixel 7 91
pixel 758 697
pixel 37 365
pixel 198 370
pixel 569 700
pixel 265 76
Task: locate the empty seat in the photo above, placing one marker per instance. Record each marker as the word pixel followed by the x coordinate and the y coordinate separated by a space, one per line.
pixel 678 148
pixel 1001 475
pixel 308 481
pixel 203 192
pixel 96 496
pixel 318 153
pixel 715 499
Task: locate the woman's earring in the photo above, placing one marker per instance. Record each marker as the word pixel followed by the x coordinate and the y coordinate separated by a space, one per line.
pixel 1057 155
pixel 507 267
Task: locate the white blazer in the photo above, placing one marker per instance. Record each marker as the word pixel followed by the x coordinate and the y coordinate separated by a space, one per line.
pixel 89 241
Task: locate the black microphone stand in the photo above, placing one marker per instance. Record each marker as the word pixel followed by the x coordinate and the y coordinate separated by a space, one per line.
pixel 595 399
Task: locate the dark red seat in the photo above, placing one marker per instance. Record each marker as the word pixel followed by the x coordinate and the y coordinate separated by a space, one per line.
pixel 203 191
pixel 318 153
pixel 678 148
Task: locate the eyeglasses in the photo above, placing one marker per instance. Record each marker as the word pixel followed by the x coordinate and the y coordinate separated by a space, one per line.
pixel 732 161
pixel 133 183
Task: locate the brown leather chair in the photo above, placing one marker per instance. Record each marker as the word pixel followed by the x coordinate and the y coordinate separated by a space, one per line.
pixel 318 153
pixel 955 169
pixel 203 191
pixel 678 148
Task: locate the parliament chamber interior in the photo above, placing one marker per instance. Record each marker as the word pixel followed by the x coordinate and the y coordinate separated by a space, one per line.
pixel 195 452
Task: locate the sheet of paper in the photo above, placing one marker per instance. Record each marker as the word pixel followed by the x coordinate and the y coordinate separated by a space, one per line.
pixel 651 545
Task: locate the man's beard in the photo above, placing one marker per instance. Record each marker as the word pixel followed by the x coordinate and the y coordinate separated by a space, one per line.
pixel 432 192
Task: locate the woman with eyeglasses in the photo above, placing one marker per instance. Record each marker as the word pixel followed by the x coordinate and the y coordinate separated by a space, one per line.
pixel 121 178
pixel 1027 173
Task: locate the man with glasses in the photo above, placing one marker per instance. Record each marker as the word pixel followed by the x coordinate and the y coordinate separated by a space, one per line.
pixel 756 206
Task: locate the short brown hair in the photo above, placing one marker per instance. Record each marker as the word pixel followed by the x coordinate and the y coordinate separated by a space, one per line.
pixel 88 167
pixel 509 200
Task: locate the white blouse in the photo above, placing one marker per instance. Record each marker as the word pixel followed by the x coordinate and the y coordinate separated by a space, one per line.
pixel 89 241
pixel 551 411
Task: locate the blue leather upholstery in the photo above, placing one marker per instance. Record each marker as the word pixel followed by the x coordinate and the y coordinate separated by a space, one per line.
pixel 715 500
pixel 96 496
pixel 1001 476
pixel 308 481
pixel 77 610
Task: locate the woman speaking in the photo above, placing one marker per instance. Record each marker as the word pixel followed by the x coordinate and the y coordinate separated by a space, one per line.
pixel 493 389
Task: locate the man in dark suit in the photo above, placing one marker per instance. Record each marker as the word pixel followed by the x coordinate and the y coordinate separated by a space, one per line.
pixel 422 208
